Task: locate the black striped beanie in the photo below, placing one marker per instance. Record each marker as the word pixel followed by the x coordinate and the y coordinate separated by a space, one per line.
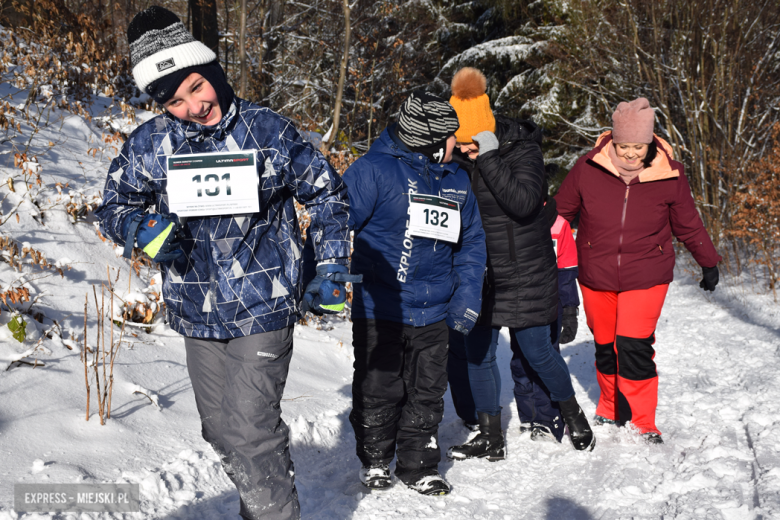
pixel 160 45
pixel 426 120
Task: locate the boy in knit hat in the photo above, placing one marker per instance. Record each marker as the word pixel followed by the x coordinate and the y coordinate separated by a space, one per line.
pixel 504 159
pixel 231 265
pixel 420 247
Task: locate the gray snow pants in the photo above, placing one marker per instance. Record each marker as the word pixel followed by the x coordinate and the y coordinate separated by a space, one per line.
pixel 238 385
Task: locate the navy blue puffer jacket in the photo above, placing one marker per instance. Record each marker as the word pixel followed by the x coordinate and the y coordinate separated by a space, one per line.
pixel 240 274
pixel 412 280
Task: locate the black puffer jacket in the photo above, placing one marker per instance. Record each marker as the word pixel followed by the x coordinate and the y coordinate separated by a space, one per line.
pixel 521 289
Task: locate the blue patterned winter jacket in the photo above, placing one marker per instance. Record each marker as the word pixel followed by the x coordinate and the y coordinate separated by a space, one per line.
pixel 240 274
pixel 412 280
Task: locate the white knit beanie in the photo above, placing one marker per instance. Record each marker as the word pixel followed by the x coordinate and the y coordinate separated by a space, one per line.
pixel 161 45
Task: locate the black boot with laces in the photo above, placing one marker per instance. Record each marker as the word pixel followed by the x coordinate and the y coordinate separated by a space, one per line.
pixel 488 443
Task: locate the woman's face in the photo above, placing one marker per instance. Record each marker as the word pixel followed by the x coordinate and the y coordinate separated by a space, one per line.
pixel 471 150
pixel 631 153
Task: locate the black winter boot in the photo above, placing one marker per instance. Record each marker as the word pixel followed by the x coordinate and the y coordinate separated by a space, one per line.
pixel 489 442
pixel 652 438
pixel 375 476
pixel 579 430
pixel 432 484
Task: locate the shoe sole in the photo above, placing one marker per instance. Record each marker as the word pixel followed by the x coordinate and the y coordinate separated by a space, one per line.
pixel 491 458
pixel 377 488
pixel 431 492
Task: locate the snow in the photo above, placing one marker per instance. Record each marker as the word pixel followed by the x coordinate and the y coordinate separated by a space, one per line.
pixel 512 49
pixel 719 404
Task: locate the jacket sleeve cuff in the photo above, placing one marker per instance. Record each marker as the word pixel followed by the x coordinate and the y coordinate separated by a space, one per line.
pixel 461 325
pixel 127 221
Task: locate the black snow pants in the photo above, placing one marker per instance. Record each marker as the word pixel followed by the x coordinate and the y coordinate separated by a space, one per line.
pixel 238 386
pixel 397 394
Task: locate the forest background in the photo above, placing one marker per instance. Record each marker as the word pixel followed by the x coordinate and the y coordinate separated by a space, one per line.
pixel 340 70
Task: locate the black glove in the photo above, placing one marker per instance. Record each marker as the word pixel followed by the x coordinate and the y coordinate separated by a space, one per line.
pixel 710 276
pixel 569 325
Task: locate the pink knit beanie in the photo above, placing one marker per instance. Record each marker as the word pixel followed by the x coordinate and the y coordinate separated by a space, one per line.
pixel 633 122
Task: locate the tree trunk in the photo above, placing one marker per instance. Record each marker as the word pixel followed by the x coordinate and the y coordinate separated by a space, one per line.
pixel 261 53
pixel 242 53
pixel 227 37
pixel 204 23
pixel 342 75
pixel 371 104
pixel 272 11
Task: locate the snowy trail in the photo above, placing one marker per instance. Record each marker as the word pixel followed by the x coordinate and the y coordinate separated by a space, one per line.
pixel 718 411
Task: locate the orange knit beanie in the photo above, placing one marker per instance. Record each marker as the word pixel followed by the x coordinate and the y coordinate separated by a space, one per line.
pixel 471 104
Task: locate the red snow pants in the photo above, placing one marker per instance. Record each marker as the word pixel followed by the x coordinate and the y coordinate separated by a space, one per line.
pixel 623 325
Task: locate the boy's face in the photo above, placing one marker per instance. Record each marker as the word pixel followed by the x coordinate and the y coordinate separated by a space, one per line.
pixel 195 100
pixel 450 147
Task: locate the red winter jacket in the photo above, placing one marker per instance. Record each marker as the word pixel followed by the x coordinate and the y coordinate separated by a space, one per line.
pixel 624 240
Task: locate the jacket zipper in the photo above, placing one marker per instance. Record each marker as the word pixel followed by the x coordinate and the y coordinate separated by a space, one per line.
pixel 213 284
pixel 622 225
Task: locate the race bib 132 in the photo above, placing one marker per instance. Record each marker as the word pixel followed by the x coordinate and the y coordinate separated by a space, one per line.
pixel 434 217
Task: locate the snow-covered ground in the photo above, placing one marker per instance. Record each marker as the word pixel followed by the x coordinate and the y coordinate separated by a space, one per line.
pixel 719 397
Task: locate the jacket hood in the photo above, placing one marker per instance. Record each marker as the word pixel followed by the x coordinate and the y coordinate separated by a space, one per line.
pixel 509 131
pixel 389 146
pixel 660 168
pixel 197 132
